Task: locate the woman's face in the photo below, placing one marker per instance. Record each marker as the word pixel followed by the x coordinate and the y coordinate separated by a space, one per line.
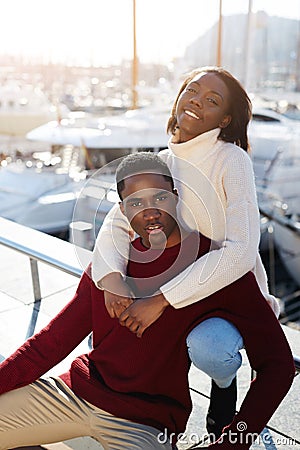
pixel 202 106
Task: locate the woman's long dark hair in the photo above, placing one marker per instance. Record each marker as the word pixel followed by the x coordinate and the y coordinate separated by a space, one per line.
pixel 240 107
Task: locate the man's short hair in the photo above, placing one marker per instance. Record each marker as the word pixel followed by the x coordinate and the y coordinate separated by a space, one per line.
pixel 136 163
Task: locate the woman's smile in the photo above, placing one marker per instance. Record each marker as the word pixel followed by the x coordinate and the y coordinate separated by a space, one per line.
pixel 191 114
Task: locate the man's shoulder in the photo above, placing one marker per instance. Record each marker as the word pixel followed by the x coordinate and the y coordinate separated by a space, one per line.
pixel 136 243
pixel 165 154
pixel 197 241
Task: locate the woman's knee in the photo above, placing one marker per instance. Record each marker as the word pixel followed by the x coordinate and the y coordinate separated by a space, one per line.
pixel 214 347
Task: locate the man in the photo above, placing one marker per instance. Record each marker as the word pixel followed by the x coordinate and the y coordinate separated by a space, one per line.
pixel 124 393
pixel 129 390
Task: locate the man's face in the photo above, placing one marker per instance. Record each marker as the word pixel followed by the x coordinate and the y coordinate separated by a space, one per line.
pixel 149 203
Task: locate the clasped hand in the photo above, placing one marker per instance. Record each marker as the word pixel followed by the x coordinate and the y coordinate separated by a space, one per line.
pixel 136 315
pixel 117 295
pixel 117 303
pixel 142 313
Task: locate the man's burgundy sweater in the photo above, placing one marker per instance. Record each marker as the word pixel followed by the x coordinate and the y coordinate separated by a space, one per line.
pixel 146 379
pixel 140 379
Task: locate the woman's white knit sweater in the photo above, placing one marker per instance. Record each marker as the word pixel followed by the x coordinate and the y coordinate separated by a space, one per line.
pixel 217 195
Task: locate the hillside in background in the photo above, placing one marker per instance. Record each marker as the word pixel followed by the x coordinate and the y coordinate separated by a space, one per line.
pixel 273 60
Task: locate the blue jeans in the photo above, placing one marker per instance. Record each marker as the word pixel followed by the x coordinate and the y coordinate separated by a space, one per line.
pixel 214 347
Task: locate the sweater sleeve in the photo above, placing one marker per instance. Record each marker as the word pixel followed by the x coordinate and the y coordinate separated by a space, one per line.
pixel 51 345
pixel 238 251
pixel 111 250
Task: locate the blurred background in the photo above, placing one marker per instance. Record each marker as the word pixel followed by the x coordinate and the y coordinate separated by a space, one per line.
pixel 82 83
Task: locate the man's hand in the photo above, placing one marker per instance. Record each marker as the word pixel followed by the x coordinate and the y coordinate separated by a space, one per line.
pixel 117 295
pixel 142 313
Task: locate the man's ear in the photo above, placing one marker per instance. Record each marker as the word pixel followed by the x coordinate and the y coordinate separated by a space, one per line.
pixel 225 122
pixel 122 208
pixel 175 192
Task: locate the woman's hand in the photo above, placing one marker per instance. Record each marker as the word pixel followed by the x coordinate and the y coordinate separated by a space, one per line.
pixel 142 313
pixel 117 295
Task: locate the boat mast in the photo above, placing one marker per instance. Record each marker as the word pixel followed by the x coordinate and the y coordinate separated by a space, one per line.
pixel 219 40
pixel 134 62
pixel 297 87
pixel 247 45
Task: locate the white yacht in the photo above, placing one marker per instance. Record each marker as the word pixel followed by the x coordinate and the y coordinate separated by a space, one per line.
pixel 24 107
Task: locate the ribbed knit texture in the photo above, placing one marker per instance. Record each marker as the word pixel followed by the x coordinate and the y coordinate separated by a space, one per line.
pixel 146 379
pixel 217 195
pixel 133 378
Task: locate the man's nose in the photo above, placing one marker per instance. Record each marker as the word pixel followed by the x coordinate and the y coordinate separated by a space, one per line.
pixel 151 213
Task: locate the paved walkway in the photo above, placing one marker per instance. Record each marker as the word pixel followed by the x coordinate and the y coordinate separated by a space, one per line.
pixel 16 309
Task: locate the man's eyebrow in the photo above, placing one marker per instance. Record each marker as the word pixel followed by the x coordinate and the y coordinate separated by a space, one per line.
pixel 163 191
pixel 136 199
pixel 132 199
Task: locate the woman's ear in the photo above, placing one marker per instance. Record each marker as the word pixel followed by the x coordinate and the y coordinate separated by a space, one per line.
pixel 176 135
pixel 225 122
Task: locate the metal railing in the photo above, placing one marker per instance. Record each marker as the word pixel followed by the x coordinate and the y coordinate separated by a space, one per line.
pixel 291 298
pixel 47 258
pixel 27 242
pixel 297 363
pixel 35 255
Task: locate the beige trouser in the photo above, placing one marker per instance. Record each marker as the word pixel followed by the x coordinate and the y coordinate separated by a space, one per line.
pixel 48 411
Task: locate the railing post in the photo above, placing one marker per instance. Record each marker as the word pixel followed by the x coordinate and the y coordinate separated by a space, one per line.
pixel 35 280
pixel 37 296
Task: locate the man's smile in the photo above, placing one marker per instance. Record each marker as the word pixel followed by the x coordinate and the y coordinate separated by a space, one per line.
pixel 154 228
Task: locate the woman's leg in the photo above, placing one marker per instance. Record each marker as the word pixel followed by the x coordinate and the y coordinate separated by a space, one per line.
pixel 269 355
pixel 214 347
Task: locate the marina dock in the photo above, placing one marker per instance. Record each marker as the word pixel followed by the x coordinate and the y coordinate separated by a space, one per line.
pixel 21 314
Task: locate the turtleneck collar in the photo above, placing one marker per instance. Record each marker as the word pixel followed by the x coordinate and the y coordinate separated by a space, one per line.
pixel 200 145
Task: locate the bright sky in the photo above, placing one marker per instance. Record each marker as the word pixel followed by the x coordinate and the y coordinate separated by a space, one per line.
pixel 100 31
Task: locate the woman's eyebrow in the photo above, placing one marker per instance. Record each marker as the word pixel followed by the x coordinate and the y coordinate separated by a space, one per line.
pixel 193 82
pixel 218 94
pixel 210 90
